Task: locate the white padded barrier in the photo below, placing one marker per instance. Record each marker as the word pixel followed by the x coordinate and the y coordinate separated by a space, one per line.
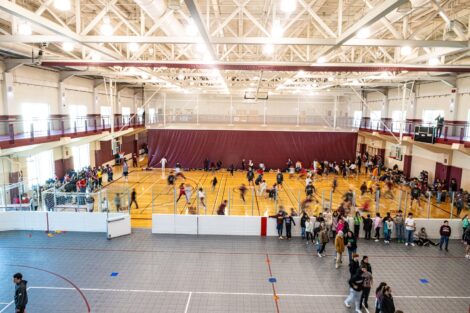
pixel 63 221
pixel 251 225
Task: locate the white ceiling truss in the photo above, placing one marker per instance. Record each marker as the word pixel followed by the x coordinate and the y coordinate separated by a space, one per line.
pixel 237 31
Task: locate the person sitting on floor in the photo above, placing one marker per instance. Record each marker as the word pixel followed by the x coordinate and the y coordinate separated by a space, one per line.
pixel 423 239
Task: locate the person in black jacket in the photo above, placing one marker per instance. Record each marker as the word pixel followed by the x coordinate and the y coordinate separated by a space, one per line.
pixel 354 265
pixel 367 227
pixel 250 176
pixel 289 220
pixel 387 305
pixel 445 233
pixel 21 294
pixel 303 219
pixel 355 284
pixel 279 178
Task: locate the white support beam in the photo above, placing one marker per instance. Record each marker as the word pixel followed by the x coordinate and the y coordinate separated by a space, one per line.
pixel 371 17
pixel 317 19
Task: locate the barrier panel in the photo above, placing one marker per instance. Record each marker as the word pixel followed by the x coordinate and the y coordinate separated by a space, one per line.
pixel 252 225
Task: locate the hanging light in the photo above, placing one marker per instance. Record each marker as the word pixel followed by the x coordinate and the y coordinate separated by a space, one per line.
pixel 106 29
pixel 133 47
pixel 288 6
pixel 68 46
pixel 363 33
pixel 191 28
pixel 433 61
pixel 277 31
pixel 321 60
pixel 62 5
pixel 268 49
pixel 24 28
pixel 406 50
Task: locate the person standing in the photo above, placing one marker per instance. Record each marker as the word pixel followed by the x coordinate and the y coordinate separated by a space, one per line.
pixel 21 293
pixel 324 238
pixel 465 225
pixel 377 226
pixel 354 266
pixel 309 224
pixel 135 163
pixel 250 176
pixel 231 169
pixel 279 178
pixel 163 162
pixel 410 227
pixel 279 221
pixel 133 199
pixel 125 170
pixel 466 239
pixel 351 244
pixel 109 171
pixel 367 227
pixel 440 124
pixel 357 224
pixel 188 191
pixel 303 219
pixel 445 232
pixel 289 220
pixel 339 246
pixel 400 227
pixel 222 207
pixel 388 226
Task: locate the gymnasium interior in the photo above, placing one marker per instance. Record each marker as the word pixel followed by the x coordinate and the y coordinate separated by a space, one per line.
pixel 150 148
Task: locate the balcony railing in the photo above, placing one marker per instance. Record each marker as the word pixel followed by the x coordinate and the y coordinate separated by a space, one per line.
pixel 18 129
pixel 451 131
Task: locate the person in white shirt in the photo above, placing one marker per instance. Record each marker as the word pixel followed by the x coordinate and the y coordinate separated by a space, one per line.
pixel 163 162
pixel 201 195
pixel 262 188
pixel 308 180
pixel 410 227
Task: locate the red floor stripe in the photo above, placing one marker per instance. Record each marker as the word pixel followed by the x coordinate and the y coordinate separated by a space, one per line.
pixel 275 296
pixel 264 226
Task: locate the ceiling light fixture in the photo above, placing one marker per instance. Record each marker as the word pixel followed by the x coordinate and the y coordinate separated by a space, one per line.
pixel 406 50
pixel 321 60
pixel 433 61
pixel 24 28
pixel 288 6
pixel 62 5
pixel 106 29
pixel 133 46
pixel 277 31
pixel 191 28
pixel 363 33
pixel 268 49
pixel 68 46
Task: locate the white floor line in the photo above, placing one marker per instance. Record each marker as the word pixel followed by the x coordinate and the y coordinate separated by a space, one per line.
pixel 187 303
pixel 7 306
pixel 234 293
pixel 3 303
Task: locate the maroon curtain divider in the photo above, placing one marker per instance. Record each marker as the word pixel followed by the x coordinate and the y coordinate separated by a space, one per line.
pixel 191 147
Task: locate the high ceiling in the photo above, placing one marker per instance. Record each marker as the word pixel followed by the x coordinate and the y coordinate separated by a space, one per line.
pixel 232 46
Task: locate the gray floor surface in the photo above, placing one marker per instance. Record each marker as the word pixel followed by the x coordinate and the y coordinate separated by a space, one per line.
pixel 186 274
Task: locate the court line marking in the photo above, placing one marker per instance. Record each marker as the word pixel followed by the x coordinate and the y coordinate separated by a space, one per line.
pixel 234 293
pixel 7 306
pixel 3 303
pixel 187 303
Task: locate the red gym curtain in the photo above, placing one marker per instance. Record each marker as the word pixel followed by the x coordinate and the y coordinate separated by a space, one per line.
pixel 191 147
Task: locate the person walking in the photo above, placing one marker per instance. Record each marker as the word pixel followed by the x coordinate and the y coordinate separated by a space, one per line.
pixel 213 183
pixel 445 231
pixel 387 305
pixel 242 189
pixel 182 192
pixel 339 247
pixel 351 244
pixel 135 162
pixel 379 296
pixel 21 293
pixel 133 199
pixel 357 224
pixel 188 192
pixel 250 176
pixel 465 225
pixel 324 238
pixel 466 238
pixel 163 162
pixel 388 227
pixel 377 226
pixel 367 285
pixel 367 227
pixel 201 196
pixel 410 227
pixel 400 226
pixel 355 288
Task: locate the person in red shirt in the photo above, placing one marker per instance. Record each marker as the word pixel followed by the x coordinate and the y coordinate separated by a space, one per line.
pixel 182 192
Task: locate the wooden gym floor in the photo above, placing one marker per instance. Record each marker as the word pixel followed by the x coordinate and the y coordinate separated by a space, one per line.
pixel 151 184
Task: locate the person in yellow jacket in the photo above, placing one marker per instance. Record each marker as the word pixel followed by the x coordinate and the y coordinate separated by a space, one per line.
pixel 339 246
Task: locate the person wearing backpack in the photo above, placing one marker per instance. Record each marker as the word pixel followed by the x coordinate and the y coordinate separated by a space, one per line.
pixel 324 238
